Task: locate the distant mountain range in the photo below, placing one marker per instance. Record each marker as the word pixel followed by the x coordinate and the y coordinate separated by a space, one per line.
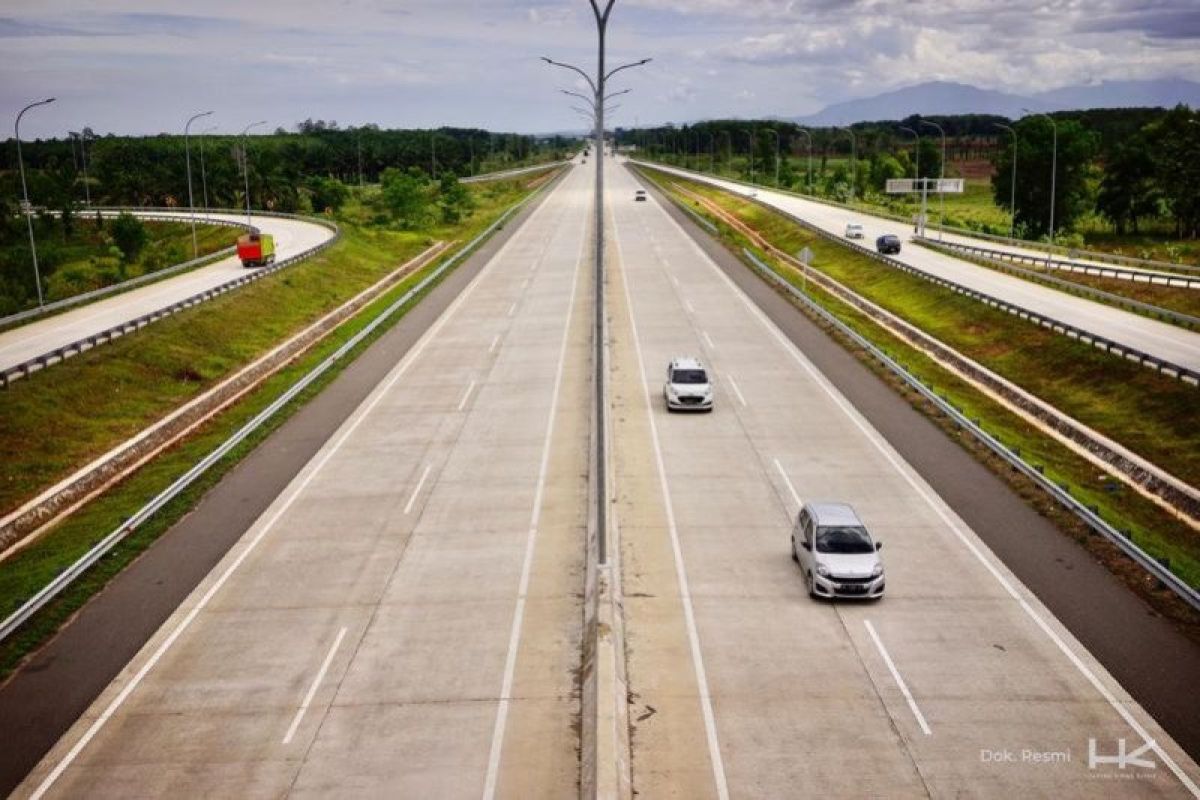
pixel 942 97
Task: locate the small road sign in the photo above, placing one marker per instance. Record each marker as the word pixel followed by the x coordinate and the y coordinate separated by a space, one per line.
pixel 805 256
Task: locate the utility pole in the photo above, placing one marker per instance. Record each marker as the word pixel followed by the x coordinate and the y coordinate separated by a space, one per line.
pixel 188 156
pixel 597 86
pixel 246 164
pixel 25 206
pixel 941 176
pixel 1012 192
pixel 203 171
pixel 1053 169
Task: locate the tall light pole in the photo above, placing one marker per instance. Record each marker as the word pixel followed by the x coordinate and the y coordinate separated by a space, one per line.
pixel 916 149
pixel 187 153
pixel 853 161
pixel 1012 192
pixel 776 133
pixel 246 164
pixel 598 86
pixel 28 209
pixel 82 137
pixel 1053 166
pixel 750 139
pixel 203 171
pixel 808 136
pixel 941 175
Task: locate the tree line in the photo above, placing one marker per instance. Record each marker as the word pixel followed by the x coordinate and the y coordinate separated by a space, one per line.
pixel 1127 165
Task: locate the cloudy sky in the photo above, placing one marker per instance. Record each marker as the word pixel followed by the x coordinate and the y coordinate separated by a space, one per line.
pixel 143 66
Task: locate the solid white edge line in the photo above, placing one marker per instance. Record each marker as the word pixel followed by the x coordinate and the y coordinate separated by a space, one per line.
pixel 514 639
pixel 417 490
pixel 492 346
pixel 466 395
pixel 887 659
pixel 688 305
pixel 875 439
pixel 312 690
pixel 511 309
pixel 733 385
pixel 788 482
pixel 707 338
pixel 312 469
pixel 710 727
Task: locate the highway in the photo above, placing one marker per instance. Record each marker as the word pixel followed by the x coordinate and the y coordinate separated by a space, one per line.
pixel 404 618
pixel 31 340
pixel 745 687
pixel 1160 339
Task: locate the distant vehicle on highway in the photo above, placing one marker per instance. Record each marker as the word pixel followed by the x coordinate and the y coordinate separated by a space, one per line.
pixel 836 553
pixel 854 230
pixel 639 195
pixel 888 243
pixel 687 387
pixel 256 249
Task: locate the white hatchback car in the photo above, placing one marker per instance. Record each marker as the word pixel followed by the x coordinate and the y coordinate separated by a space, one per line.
pixel 854 230
pixel 836 553
pixel 687 387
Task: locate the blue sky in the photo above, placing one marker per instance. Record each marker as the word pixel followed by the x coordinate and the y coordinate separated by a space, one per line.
pixel 138 66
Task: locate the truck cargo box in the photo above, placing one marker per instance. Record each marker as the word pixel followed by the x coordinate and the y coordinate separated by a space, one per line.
pixel 256 249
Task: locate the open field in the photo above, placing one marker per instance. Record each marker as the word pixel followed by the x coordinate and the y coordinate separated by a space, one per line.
pixel 1151 415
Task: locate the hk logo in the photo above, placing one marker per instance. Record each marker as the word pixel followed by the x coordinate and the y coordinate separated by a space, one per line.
pixel 1122 759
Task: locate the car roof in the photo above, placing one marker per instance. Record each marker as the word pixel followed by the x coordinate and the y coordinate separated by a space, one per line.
pixel 686 362
pixel 833 514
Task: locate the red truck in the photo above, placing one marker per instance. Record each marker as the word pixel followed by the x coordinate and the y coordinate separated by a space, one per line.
pixel 256 249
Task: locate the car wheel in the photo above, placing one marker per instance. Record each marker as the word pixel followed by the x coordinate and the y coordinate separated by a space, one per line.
pixel 795 555
pixel 812 585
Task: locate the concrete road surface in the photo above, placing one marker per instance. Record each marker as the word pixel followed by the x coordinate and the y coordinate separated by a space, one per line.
pixel 1168 342
pixel 958 683
pixel 404 620
pixel 32 340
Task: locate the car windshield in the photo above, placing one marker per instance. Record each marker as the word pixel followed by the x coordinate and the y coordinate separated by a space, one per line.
pixel 844 539
pixel 689 376
pixel 890 239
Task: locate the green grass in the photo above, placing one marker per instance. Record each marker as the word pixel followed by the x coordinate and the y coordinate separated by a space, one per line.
pixel 57 420
pixel 84 261
pixel 32 567
pixel 1148 413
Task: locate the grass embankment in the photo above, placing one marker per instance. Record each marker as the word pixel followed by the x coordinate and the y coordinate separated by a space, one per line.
pixel 1152 415
pixel 115 391
pixel 86 259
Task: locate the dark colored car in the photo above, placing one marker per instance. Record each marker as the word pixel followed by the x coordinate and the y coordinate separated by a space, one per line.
pixel 888 243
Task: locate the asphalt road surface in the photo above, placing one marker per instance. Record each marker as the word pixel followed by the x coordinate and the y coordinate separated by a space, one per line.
pixel 22 343
pixel 1168 342
pixel 959 681
pixel 404 618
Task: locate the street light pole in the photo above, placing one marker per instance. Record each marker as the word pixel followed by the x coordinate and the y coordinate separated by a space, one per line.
pixel 808 136
pixel 187 152
pixel 246 164
pixel 853 162
pixel 203 171
pixel 776 133
pixel 941 176
pixel 28 209
pixel 1012 194
pixel 916 149
pixel 597 86
pixel 1053 167
pixel 750 138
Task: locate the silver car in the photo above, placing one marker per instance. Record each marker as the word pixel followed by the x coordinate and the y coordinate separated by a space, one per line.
pixel 836 553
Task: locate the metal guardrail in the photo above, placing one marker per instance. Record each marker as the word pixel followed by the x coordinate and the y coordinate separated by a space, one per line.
pixel 1159 365
pixel 68 576
pixel 59 354
pixel 982 254
pixel 1093 255
pixel 511 173
pixel 1137 276
pixel 132 283
pixel 1092 519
